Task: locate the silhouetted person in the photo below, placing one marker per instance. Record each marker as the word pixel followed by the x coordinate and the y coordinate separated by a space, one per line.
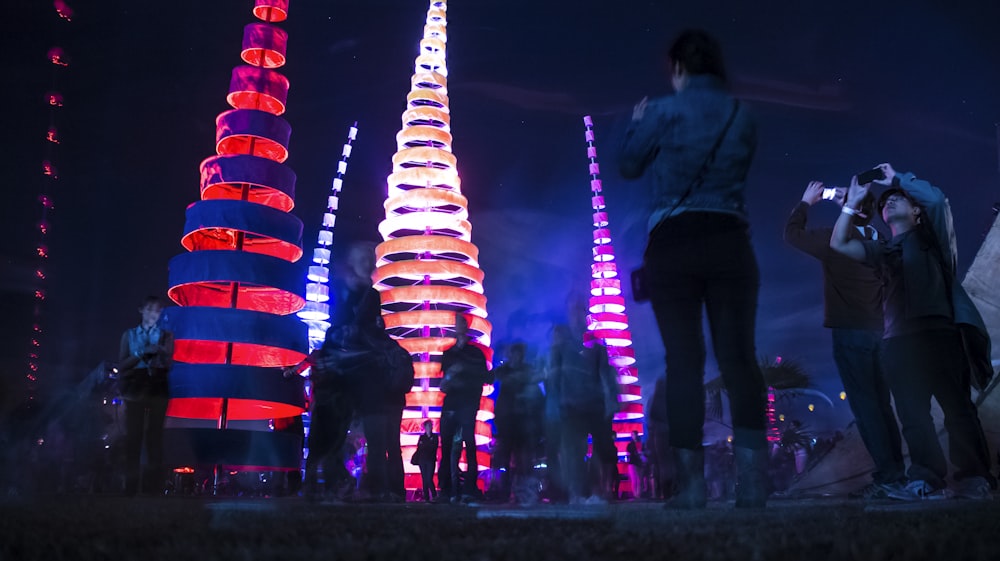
pixel 518 414
pixel 698 145
pixel 923 356
pixel 636 465
pixel 426 459
pixel 332 393
pixel 464 374
pixel 380 397
pixel 144 359
pixel 852 309
pixel 588 398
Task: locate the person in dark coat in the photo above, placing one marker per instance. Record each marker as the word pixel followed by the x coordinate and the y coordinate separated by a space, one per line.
pixel 425 457
pixel 852 302
pixel 588 398
pixel 923 353
pixel 518 421
pixel 144 360
pixel 379 398
pixel 465 373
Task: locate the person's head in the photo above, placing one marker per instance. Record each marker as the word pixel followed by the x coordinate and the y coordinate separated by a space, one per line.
pixel 635 435
pixel 515 353
pixel 898 210
pixel 694 52
pixel 360 261
pixel 150 310
pixel 428 427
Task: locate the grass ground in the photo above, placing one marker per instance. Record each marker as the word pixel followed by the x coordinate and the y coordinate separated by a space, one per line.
pixel 179 528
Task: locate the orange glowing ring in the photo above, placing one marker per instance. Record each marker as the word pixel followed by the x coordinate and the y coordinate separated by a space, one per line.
pixel 432 45
pixel 422 221
pixel 420 178
pixel 421 156
pixel 431 62
pixel 423 135
pixel 429 80
pixel 436 13
pixel 420 115
pixel 431 345
pixel 435 30
pixel 418 294
pixel 416 426
pixel 439 319
pixel 418 245
pixel 426 370
pixel 431 398
pixel 435 270
pixel 427 98
pixel 420 199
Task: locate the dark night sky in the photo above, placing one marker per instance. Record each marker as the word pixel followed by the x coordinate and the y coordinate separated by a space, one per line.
pixel 836 88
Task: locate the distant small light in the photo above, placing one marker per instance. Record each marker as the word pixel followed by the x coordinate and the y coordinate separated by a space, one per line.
pixel 729 438
pixel 812 407
pixel 781 418
pixel 843 396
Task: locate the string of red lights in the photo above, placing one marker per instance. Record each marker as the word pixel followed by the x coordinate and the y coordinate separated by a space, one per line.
pixel 53 98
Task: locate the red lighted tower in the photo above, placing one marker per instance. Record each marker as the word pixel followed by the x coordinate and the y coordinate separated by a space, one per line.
pixel 237 288
pixel 608 322
pixel 427 267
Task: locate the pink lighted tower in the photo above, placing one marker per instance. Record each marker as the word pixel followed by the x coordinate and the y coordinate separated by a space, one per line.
pixel 608 322
pixel 427 267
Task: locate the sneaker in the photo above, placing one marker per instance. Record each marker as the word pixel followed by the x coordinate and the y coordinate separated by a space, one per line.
pixel 876 491
pixel 918 490
pixel 976 488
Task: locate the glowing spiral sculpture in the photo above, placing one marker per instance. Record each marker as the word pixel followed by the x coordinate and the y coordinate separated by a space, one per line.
pixel 237 287
pixel 427 267
pixel 608 322
pixel 316 313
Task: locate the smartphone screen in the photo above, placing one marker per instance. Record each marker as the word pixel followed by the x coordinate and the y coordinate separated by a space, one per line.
pixel 870 175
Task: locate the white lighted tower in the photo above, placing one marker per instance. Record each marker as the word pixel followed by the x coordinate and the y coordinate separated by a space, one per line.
pixel 427 267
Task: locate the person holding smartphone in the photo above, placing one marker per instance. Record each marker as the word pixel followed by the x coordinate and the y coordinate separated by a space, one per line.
pixel 923 354
pixel 852 310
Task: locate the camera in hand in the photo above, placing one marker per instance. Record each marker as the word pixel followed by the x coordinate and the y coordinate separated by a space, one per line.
pixel 874 174
pixel 829 193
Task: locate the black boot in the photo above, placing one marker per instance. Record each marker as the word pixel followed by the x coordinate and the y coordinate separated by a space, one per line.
pixel 691 492
pixel 752 486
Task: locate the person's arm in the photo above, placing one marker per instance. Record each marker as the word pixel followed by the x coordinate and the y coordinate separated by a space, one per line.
pixel 815 242
pixel 126 360
pixel 840 240
pixel 641 142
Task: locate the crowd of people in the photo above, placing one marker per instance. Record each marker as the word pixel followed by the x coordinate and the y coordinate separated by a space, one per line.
pixel 897 316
